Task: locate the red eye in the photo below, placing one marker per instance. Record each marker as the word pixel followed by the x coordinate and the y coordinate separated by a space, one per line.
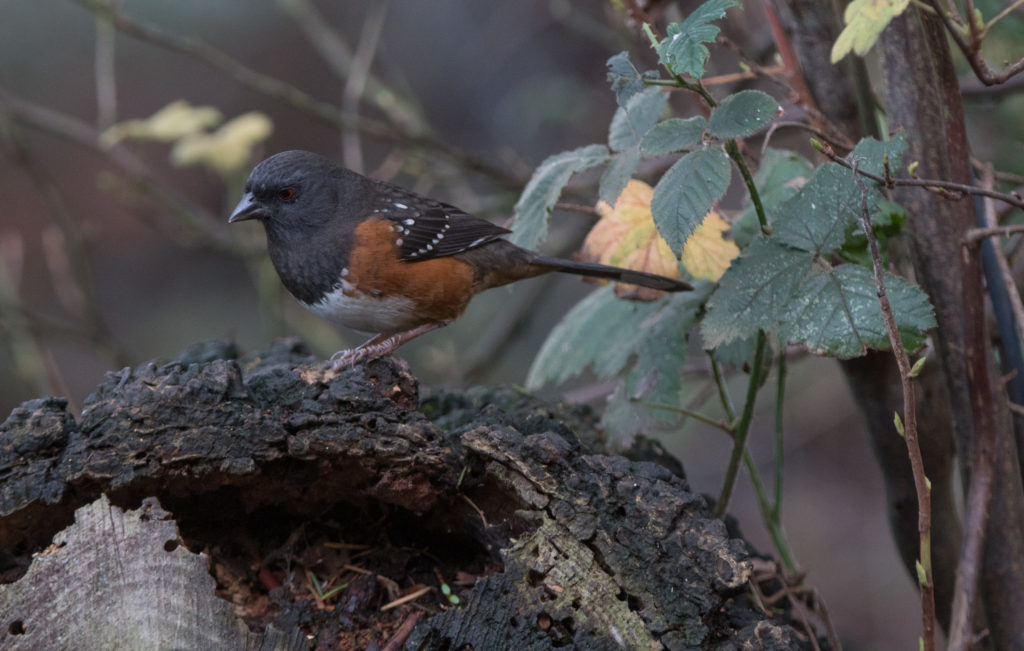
pixel 287 194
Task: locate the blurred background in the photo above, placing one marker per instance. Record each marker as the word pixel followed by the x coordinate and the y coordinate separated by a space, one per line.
pixel 115 248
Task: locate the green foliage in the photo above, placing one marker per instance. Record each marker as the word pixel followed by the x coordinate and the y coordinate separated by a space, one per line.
pixel 743 114
pixel 541 193
pixel 683 50
pixel 628 127
pixel 625 79
pixel 599 333
pixel 673 135
pixel 786 283
pixel 789 279
pixel 687 191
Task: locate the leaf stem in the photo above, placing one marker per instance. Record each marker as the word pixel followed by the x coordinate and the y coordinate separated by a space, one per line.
pixel 733 150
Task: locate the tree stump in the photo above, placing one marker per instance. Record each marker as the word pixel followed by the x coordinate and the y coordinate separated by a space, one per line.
pixel 318 505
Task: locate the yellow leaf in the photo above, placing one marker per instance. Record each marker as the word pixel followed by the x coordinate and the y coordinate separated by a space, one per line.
pixel 865 20
pixel 626 236
pixel 228 149
pixel 176 120
pixel 707 253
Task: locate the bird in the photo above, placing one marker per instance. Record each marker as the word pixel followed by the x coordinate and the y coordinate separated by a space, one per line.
pixel 377 258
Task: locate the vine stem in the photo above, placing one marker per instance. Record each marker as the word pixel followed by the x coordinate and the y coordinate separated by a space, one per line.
pixel 921 483
pixel 743 427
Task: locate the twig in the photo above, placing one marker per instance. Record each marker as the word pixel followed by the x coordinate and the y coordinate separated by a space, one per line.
pixel 352 149
pixel 396 641
pixel 196 220
pixel 977 234
pixel 921 483
pixel 294 97
pixel 972 50
pixel 338 55
pixel 412 596
pixel 932 185
pixel 106 80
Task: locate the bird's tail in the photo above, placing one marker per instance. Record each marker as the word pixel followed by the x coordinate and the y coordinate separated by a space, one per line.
pixel 642 278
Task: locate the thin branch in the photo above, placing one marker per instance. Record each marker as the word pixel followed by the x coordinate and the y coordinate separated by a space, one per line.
pixel 294 97
pixel 198 224
pixel 106 80
pixel 976 234
pixel 743 427
pixel 921 483
pixel 337 54
pixel 972 50
pixel 932 185
pixel 352 149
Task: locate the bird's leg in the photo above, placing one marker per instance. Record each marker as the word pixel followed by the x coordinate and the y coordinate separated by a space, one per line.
pixel 378 346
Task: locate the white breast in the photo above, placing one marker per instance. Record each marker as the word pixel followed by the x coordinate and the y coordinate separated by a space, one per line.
pixel 367 313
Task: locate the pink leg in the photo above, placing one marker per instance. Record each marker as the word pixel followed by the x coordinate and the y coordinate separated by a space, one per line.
pixel 378 346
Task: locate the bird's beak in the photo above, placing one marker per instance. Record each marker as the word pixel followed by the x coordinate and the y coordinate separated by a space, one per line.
pixel 247 208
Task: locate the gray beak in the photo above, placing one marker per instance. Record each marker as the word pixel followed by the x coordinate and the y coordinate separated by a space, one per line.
pixel 247 208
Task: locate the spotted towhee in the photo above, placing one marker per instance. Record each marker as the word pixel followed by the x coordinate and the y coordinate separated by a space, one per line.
pixel 374 257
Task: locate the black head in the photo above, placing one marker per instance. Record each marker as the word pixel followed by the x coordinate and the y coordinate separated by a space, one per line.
pixel 293 189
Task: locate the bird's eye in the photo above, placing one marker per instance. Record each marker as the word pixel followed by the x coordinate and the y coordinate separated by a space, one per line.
pixel 286 194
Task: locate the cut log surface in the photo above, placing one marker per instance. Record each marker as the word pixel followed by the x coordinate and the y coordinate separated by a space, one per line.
pixel 569 548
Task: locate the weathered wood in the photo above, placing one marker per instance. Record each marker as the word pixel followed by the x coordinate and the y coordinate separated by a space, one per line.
pixel 120 580
pixel 591 551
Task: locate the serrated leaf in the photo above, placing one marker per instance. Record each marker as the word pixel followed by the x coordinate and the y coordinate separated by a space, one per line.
pixel 632 121
pixel 599 332
pixel 544 188
pixel 837 313
pixel 624 77
pixel 707 253
pixel 781 175
pixel 820 216
pixel 661 353
pixel 865 21
pixel 672 135
pixel 621 167
pixel 870 153
pixel 687 192
pixel 755 292
pixel 743 114
pixel 683 50
pixel 817 217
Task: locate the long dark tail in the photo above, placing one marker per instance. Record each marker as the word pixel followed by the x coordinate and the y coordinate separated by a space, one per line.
pixel 642 278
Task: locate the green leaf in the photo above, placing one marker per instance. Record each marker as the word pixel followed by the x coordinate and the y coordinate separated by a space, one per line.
pixel 672 135
pixel 828 207
pixel 661 353
pixel 621 168
pixel 865 21
pixel 781 175
pixel 599 332
pixel 544 188
pixel 743 114
pixel 625 79
pixel 836 312
pixel 683 50
pixel 818 216
pixel 686 192
pixel 870 153
pixel 636 118
pixel 755 292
